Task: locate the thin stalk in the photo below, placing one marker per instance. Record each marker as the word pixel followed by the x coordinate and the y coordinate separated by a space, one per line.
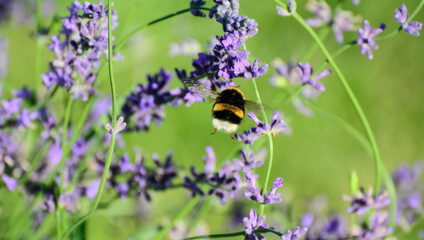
pixel 351 95
pixel 62 163
pixel 241 233
pixel 35 161
pixel 64 137
pixel 186 210
pixel 113 134
pixel 137 29
pixel 270 141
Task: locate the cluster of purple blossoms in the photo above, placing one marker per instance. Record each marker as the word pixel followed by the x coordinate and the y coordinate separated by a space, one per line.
pixel 305 72
pixel 227 59
pixel 147 102
pixel 252 223
pixel 366 38
pixel 78 49
pixel 364 201
pixel 255 194
pixel 5 8
pixel 376 228
pixel 275 126
pixel 408 184
pixel 294 74
pixel 296 234
pixel 223 182
pixel 15 118
pixel 342 21
pixel 401 16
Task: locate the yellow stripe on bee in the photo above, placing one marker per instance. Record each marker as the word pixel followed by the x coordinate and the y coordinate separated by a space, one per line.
pixel 225 106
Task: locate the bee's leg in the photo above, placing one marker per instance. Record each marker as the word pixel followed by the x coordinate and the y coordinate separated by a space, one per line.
pixel 214 131
pixel 232 135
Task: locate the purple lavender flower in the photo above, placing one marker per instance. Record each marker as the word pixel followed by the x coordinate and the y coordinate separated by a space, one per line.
pixel 295 235
pixel 147 102
pixel 77 55
pixel 4 59
pixel 247 163
pixel 49 203
pixel 407 180
pixel 364 201
pixel 366 35
pixel 285 73
pixel 253 192
pixel 274 127
pixel 252 223
pixel 256 194
pixel 305 71
pixel 401 16
pixel 376 229
pixel 120 125
pixel 344 21
pixel 321 11
pixel 291 7
pixel 196 4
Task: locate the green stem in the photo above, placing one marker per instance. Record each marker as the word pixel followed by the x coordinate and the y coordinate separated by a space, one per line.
pixel 64 137
pixel 34 162
pixel 137 29
pixel 113 134
pixel 417 9
pixel 311 50
pixel 62 163
pixel 241 233
pixel 271 143
pixel 351 95
pixel 186 210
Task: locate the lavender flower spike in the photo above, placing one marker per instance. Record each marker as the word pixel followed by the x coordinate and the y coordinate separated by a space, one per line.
pixel 120 125
pixel 272 197
pixel 321 11
pixel 252 223
pixel 296 234
pixel 363 201
pixel 366 35
pixel 253 192
pixel 401 16
pixel 291 8
pixel 305 71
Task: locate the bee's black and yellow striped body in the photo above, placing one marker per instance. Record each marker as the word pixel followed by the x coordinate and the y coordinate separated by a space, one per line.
pixel 228 110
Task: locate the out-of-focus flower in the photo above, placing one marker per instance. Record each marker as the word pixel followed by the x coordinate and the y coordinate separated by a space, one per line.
pixel 120 125
pixel 305 71
pixel 321 11
pixel 291 7
pixel 376 229
pixel 188 47
pixel 5 9
pixel 366 38
pixel 4 59
pixel 285 74
pixel 408 184
pixel 344 21
pixel 401 16
pixel 295 235
pixel 363 201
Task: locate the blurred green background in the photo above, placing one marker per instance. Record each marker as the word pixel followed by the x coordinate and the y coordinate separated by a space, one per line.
pixel 319 155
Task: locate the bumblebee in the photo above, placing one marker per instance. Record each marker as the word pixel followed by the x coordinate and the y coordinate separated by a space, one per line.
pixel 229 108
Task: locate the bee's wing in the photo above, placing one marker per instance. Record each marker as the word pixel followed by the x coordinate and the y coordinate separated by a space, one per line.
pixel 196 85
pixel 253 106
